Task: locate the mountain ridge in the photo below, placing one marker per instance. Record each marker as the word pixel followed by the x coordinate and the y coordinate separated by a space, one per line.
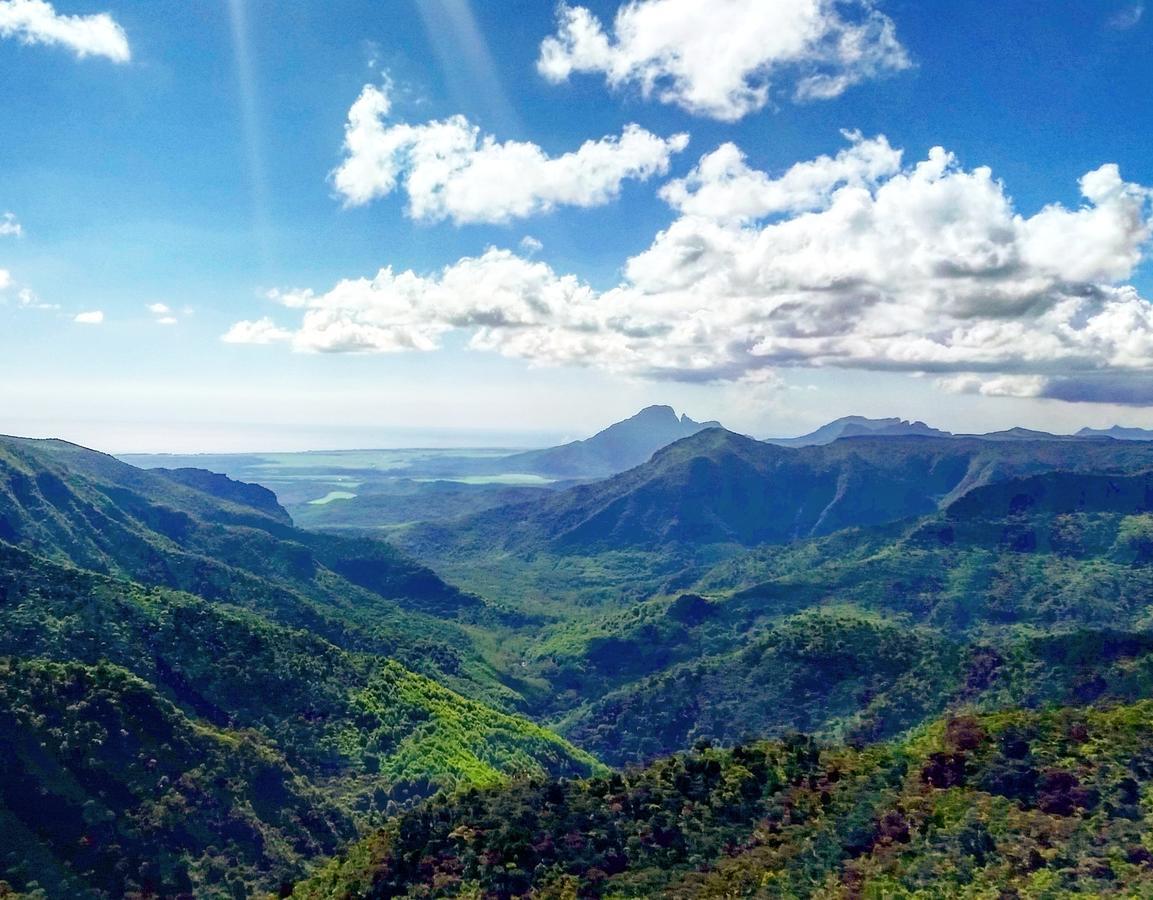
pixel 720 487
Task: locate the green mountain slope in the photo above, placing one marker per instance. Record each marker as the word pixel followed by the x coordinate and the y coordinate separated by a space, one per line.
pixel 1026 591
pixel 1052 804
pixel 228 542
pixel 381 731
pixel 718 487
pixel 179 528
pixel 710 495
pixel 265 700
pixel 108 790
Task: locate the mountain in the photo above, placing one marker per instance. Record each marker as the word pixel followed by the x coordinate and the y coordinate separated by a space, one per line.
pixel 1118 433
pixel 615 449
pixel 1026 592
pixel 1008 804
pixel 196 687
pixel 721 488
pixel 333 713
pixel 109 789
pixel 198 699
pixel 856 426
pixel 1022 434
pixel 227 542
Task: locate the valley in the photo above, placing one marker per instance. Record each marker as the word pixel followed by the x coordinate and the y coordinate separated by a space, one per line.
pixel 445 631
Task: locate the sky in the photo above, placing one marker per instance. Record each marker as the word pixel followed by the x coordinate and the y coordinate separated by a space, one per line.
pixel 255 225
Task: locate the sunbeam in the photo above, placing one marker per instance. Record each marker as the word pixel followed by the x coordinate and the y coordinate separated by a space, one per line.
pixel 465 59
pixel 250 121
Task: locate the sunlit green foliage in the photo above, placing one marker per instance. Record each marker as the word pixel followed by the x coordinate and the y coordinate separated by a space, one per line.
pixel 1040 805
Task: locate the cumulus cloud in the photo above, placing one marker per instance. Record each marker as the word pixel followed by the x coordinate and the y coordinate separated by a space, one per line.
pixel 159 309
pixel 723 188
pixel 94 317
pixel 37 22
pixel 262 331
pixel 726 59
pixel 854 261
pixel 995 386
pixel 10 226
pixel 5 279
pixel 1123 389
pixel 451 171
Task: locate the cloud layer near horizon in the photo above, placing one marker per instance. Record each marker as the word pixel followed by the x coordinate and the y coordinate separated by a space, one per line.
pixel 38 22
pixel 449 170
pixel 726 59
pixel 854 261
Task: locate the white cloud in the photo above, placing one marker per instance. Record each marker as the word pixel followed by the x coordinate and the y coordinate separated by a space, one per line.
pixel 995 386
pixel 37 22
pixel 851 261
pixel 262 331
pixel 28 300
pixel 530 245
pixel 451 171
pixel 5 279
pixel 722 187
pixel 159 309
pixel 95 317
pixel 10 226
pixel 727 58
pixel 168 320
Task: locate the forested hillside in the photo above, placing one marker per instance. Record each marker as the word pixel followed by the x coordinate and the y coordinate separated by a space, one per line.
pixel 857 591
pixel 1015 803
pixel 714 494
pixel 109 790
pixel 219 739
pixel 230 543
pixel 1023 592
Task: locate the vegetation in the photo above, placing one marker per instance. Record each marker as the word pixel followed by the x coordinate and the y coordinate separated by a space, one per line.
pixel 1018 804
pixel 108 790
pixel 224 740
pixel 222 541
pixel 718 488
pixel 724 594
pixel 1025 592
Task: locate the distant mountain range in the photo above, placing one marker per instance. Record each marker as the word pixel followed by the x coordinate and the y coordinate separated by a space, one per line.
pixel 633 441
pixel 718 487
pixel 856 426
pixel 860 426
pixel 1118 433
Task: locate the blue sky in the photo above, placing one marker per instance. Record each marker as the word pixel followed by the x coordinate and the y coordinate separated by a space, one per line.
pixel 196 175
